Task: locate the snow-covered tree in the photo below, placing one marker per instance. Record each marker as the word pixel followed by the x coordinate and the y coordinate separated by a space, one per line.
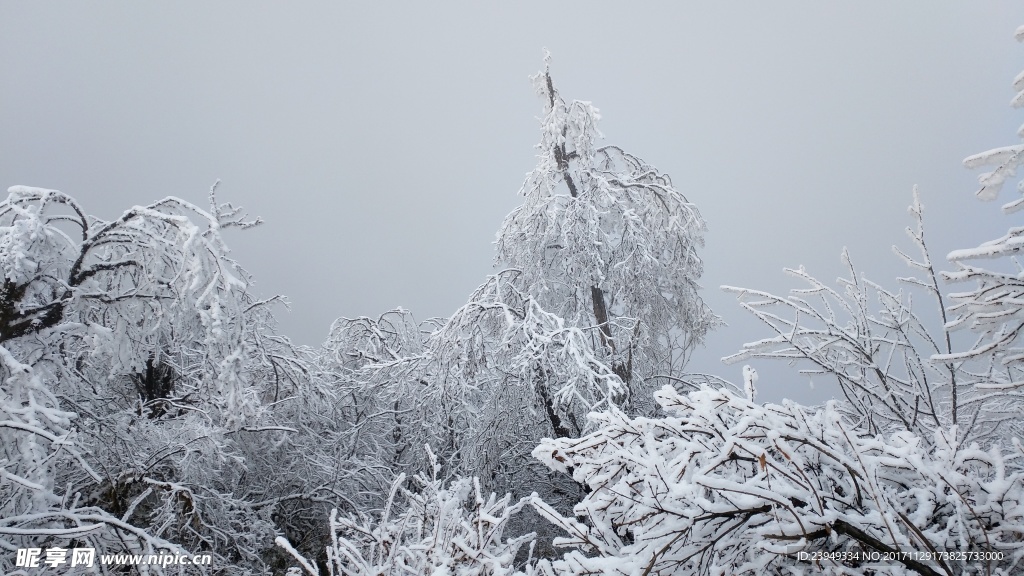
pixel 151 293
pixel 482 386
pixel 604 241
pixel 519 357
pixel 133 359
pixel 377 364
pixel 599 296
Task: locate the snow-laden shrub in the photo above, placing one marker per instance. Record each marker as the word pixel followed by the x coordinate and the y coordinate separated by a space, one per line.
pixel 425 528
pixel 726 486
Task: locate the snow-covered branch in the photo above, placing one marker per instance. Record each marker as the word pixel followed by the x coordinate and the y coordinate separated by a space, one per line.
pixel 724 485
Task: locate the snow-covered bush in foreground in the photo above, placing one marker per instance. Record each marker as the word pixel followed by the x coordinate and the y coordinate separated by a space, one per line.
pixel 726 486
pixel 426 528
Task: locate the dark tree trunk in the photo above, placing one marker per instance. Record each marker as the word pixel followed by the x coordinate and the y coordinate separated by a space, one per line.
pixel 154 384
pixel 16 321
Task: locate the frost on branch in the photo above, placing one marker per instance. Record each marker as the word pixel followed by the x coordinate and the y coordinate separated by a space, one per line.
pixel 604 241
pixel 38 449
pixel 387 408
pixel 482 386
pixel 1006 159
pixel 993 308
pixel 503 337
pixel 878 345
pixel 726 486
pixel 151 287
pixel 520 373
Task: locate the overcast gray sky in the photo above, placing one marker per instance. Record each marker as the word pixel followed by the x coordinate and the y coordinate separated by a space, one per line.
pixel 384 143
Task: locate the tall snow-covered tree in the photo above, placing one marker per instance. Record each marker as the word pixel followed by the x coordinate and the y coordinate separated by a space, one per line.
pixel 604 241
pixel 599 295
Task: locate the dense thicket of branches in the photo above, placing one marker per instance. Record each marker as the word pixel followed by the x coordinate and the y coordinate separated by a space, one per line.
pixel 149 405
pixel 724 485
